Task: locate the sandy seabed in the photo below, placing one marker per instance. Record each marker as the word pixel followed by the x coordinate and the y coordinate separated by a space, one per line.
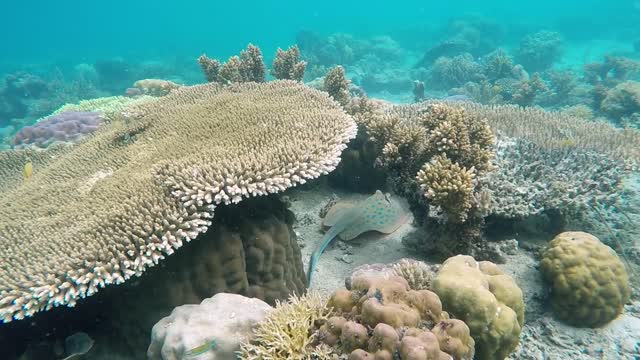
pixel 543 337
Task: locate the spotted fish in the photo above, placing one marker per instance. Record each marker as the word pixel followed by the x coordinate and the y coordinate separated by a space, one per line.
pixel 348 220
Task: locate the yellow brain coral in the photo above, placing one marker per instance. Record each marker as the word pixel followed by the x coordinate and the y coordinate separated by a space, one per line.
pixel 589 284
pixel 104 210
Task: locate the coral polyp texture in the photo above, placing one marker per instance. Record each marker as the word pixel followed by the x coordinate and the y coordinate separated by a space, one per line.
pixel 65 127
pixel 106 209
pixel 589 283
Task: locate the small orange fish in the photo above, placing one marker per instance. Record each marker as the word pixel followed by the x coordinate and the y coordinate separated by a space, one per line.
pixel 28 170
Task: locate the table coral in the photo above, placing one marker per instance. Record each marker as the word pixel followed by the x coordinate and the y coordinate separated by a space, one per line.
pixel 103 211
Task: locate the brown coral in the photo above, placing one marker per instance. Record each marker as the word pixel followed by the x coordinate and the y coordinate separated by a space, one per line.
pixel 337 85
pixel 248 67
pixel 287 64
pixel 105 210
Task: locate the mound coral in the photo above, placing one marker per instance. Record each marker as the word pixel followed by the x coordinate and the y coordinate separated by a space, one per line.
pixel 65 127
pixel 140 188
pixel 589 284
pixel 487 300
pixel 381 317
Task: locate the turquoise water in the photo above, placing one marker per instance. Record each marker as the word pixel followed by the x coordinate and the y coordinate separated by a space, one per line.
pixel 557 82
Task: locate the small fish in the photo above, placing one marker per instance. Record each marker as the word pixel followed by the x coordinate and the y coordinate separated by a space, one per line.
pixel 199 350
pixel 28 170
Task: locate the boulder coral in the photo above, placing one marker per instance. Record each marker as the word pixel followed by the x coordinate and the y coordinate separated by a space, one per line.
pixel 487 300
pixel 588 282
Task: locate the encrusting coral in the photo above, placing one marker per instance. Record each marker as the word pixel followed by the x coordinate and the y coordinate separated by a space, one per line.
pixel 65 127
pixel 487 300
pixel 589 283
pixel 140 188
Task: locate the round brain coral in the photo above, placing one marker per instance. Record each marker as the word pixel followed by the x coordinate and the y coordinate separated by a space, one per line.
pixel 589 284
pixel 487 300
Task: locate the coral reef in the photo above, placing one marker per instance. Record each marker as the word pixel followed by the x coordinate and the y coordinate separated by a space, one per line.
pixel 65 127
pixel 612 71
pixel 224 321
pixel 589 283
pixel 180 157
pixel 539 51
pixel 287 64
pixel 487 300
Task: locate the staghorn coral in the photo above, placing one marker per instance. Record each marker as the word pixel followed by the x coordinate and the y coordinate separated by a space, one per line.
pixel 487 300
pixel 337 85
pixel 180 157
pixel 589 284
pixel 284 333
pixel 65 127
pixel 448 187
pixel 248 67
pixel 287 64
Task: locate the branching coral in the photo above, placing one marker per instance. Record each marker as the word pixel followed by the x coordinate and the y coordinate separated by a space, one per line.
pixel 285 332
pixel 622 101
pixel 448 187
pixel 337 85
pixel 287 64
pixel 248 67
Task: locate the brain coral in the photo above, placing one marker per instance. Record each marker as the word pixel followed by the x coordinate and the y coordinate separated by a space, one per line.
pixel 106 209
pixel 589 284
pixel 64 127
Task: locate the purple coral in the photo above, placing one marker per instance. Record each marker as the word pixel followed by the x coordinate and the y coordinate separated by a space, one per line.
pixel 68 126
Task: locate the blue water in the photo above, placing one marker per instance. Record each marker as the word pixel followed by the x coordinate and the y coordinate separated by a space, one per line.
pixel 78 31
